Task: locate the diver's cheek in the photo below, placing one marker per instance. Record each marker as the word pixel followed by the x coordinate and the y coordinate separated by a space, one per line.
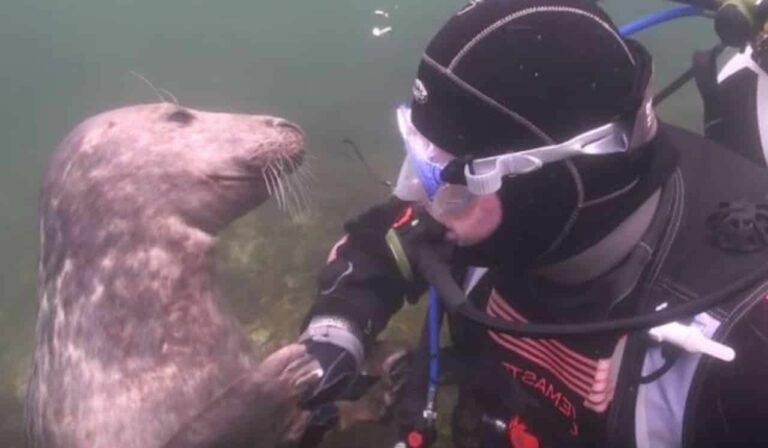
pixel 474 224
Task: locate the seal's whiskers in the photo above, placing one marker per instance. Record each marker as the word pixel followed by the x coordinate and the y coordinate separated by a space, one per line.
pixel 278 170
pixel 298 183
pixel 267 181
pixel 302 182
pixel 294 195
pixel 266 171
pixel 161 93
pixel 171 95
pixel 283 190
pixel 290 184
pixel 274 181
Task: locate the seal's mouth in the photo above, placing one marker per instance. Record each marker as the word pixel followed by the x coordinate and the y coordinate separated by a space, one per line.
pixel 288 180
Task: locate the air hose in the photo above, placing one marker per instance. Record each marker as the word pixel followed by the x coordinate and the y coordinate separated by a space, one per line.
pixel 657 18
pixel 438 274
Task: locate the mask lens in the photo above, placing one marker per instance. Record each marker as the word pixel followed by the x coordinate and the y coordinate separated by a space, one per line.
pixel 409 186
pixel 420 176
pixel 450 200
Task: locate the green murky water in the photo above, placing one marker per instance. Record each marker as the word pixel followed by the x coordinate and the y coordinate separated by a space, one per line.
pixel 314 62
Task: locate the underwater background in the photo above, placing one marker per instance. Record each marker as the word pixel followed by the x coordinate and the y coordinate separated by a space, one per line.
pixel 316 63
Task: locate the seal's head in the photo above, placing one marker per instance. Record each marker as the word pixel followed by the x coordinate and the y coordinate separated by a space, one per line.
pixel 206 168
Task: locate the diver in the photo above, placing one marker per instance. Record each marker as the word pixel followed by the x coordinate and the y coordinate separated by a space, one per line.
pixel 537 171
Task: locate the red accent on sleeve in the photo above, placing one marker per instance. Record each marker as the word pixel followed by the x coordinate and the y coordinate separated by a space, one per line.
pixel 404 218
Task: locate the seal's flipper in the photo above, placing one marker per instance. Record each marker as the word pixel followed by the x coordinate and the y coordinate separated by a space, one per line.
pixel 260 409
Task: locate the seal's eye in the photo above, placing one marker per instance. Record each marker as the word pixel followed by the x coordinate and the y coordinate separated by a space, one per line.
pixel 181 116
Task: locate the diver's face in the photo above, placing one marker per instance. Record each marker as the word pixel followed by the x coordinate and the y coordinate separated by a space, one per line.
pixel 474 223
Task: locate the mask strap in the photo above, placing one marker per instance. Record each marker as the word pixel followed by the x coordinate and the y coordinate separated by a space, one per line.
pixel 641 117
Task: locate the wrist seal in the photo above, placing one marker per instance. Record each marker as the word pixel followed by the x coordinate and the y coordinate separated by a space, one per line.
pixel 337 331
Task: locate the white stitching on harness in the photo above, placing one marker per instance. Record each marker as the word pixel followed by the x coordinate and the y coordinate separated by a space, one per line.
pixel 348 271
pixel 566 230
pixel 612 195
pixel 678 206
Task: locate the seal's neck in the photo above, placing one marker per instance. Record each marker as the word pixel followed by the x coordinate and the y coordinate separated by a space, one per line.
pixel 171 250
pixel 161 262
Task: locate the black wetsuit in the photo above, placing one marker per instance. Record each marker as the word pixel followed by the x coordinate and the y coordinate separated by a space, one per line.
pixel 710 228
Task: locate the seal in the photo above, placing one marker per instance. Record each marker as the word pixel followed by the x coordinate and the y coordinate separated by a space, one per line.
pixel 132 346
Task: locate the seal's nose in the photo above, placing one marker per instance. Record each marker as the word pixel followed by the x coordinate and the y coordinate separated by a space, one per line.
pixel 281 123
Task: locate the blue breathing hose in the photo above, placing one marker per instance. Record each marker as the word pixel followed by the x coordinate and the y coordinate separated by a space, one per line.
pixel 433 317
pixel 657 18
pixel 434 336
pixel 434 310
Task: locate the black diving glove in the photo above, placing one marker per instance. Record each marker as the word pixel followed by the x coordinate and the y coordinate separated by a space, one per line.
pixel 339 373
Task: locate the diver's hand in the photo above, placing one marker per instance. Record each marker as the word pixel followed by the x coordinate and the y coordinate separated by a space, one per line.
pixel 388 363
pixel 386 366
pixel 339 370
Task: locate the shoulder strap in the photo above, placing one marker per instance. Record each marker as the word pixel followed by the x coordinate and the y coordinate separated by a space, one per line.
pixel 705 73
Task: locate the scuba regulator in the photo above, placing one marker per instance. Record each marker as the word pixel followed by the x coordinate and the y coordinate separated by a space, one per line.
pixel 737 22
pixel 416 244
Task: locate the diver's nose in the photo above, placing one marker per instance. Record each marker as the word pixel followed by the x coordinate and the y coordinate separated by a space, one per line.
pixel 281 123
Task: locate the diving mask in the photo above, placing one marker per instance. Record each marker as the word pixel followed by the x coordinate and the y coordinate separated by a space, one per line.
pixel 420 178
pixel 422 175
